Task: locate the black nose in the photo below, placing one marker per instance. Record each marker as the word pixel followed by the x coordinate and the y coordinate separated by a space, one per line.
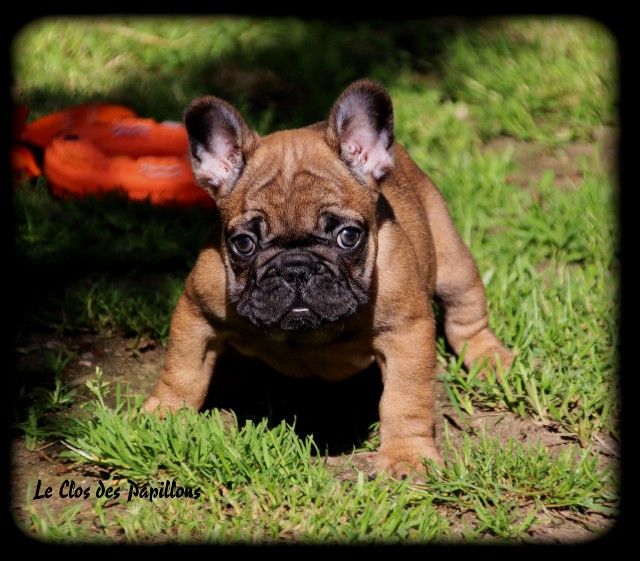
pixel 296 274
pixel 296 269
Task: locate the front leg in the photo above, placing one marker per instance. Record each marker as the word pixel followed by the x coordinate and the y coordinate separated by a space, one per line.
pixel 189 361
pixel 407 359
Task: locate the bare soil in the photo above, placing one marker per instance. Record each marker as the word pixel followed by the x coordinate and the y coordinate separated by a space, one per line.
pixel 532 159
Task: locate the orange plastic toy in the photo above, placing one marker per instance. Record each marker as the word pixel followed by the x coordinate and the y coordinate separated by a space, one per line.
pixel 135 137
pixel 92 149
pixel 23 163
pixel 42 131
pixel 77 167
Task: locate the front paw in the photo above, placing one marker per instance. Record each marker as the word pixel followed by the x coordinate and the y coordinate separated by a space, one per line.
pixel 406 460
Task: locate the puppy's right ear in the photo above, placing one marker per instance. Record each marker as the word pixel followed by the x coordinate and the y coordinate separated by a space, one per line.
pixel 220 142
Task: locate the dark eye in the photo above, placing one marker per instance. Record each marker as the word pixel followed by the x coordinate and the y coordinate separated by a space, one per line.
pixel 349 237
pixel 243 245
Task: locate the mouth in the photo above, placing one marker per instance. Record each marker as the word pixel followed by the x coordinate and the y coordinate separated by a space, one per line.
pixel 299 319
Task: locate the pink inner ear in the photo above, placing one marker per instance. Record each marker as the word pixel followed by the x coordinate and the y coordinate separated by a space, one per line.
pixel 364 149
pixel 220 162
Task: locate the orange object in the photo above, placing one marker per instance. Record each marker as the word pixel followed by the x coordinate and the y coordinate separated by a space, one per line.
pixel 135 137
pixel 77 167
pixel 23 163
pixel 42 131
pixel 95 148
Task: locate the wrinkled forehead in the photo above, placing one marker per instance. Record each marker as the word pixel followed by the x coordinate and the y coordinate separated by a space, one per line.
pixel 294 180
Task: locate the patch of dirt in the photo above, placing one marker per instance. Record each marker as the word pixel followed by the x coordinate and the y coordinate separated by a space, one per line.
pixel 127 360
pixel 134 361
pixel 565 526
pixel 43 465
pixel 567 162
pixel 253 391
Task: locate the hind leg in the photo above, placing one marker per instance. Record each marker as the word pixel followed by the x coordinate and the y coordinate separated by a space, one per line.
pixel 466 320
pixel 459 288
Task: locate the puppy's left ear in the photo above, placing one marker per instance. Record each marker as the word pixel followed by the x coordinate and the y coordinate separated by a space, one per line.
pixel 360 128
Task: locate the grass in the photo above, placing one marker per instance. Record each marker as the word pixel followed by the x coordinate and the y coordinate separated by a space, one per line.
pixel 549 280
pixel 266 484
pixel 116 266
pixel 106 232
pixel 547 253
pixel 108 304
pixel 499 76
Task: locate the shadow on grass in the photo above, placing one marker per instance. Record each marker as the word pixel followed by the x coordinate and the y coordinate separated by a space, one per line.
pixel 102 263
pixel 288 81
pixel 338 415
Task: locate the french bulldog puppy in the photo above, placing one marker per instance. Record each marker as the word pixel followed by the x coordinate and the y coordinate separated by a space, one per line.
pixel 329 245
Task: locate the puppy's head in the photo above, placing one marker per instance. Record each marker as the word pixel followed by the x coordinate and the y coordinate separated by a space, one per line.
pixel 298 207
